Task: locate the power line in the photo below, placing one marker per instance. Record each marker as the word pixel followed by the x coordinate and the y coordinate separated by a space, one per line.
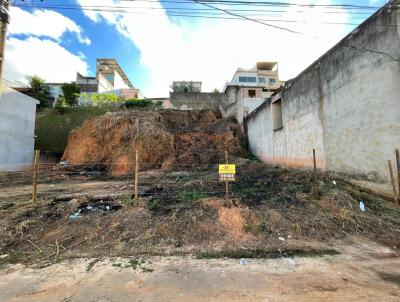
pixel 124 9
pixel 247 18
pixel 207 15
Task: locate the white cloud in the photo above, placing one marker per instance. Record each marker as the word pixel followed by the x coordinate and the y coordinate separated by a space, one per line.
pixel 43 23
pixel 40 54
pixel 44 58
pixel 211 50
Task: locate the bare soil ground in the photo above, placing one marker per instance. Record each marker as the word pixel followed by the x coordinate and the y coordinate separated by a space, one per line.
pixel 364 271
pixel 271 212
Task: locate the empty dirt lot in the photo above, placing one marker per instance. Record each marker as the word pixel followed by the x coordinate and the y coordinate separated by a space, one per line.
pixel 282 235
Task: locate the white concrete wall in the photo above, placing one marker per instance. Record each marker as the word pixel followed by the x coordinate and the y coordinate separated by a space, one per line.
pixel 104 85
pixel 17 127
pixel 119 82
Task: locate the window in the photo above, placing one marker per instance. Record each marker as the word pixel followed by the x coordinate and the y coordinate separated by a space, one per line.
pixel 248 79
pixel 272 81
pixel 261 80
pixel 277 119
pixel 252 93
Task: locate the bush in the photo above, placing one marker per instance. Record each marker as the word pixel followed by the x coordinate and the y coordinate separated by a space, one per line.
pixel 101 100
pixel 142 103
pixel 71 93
pixel 61 106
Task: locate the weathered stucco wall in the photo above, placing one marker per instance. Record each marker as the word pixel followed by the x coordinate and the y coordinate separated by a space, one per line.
pixel 196 100
pixel 361 100
pixel 346 106
pixel 17 126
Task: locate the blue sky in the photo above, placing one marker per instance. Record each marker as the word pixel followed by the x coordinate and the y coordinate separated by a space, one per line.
pixel 156 48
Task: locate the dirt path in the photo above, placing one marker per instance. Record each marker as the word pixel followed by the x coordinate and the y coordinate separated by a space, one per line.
pixel 366 272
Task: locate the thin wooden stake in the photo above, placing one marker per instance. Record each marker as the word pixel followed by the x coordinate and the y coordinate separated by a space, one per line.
pixel 395 197
pixel 315 160
pixel 35 175
pixel 136 177
pixel 398 171
pixel 226 181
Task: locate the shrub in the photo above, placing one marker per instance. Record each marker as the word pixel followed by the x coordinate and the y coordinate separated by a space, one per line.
pixel 61 106
pixel 101 99
pixel 71 93
pixel 142 103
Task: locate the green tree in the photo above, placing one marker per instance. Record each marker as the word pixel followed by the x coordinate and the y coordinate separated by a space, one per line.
pixel 40 90
pixel 71 93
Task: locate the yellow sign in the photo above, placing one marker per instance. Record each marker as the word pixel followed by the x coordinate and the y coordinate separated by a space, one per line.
pixel 227 172
pixel 227 169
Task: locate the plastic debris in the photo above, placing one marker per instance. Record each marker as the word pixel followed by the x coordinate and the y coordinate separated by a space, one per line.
pixel 108 208
pixel 362 206
pixel 289 236
pixel 4 256
pixel 334 182
pixel 64 163
pixel 75 215
pixel 291 261
pixel 243 261
pixel 281 238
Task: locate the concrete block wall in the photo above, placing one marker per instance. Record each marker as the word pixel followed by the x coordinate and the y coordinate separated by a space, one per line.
pixel 196 100
pixel 346 106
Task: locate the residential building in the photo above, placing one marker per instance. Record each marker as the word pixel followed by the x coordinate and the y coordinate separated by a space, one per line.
pixel 110 79
pixel 248 89
pixel 186 86
pixel 345 106
pixel 86 84
pixel 263 75
pixel 17 128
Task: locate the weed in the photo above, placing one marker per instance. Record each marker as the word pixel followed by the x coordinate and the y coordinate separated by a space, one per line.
pixel 147 270
pixel 117 264
pixel 134 263
pixel 261 253
pixel 91 264
pixel 190 195
pixel 248 227
pixel 137 262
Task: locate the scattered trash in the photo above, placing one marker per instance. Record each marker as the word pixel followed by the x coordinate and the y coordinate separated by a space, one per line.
pixel 52 185
pixel 64 163
pixel 281 238
pixel 75 215
pixel 291 261
pixel 334 182
pixel 243 261
pixel 98 207
pixel 289 236
pixel 4 256
pixel 362 206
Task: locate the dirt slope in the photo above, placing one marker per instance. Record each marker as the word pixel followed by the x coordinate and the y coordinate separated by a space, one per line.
pixel 164 138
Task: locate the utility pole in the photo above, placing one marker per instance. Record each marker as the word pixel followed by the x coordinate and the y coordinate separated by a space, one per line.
pixel 4 19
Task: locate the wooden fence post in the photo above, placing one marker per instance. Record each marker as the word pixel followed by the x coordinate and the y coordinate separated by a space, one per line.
pixel 136 177
pixel 315 160
pixel 226 181
pixel 395 196
pixel 398 170
pixel 35 175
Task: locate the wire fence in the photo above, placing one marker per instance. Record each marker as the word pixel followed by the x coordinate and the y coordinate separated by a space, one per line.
pixel 137 179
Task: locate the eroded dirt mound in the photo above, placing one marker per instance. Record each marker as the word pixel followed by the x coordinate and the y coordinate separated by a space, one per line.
pixel 164 139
